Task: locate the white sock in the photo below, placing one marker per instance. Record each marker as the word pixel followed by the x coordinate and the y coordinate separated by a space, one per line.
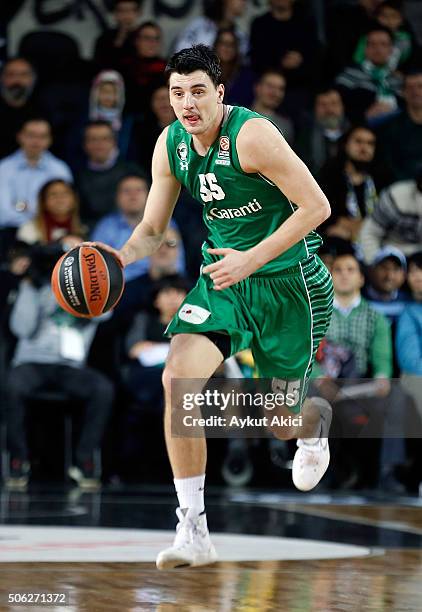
pixel 190 492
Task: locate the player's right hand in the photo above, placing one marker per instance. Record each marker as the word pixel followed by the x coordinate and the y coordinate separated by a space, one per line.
pixel 117 254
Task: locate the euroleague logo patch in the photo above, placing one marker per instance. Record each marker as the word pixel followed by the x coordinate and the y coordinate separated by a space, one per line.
pixel 193 314
pixel 69 261
pixel 224 143
pixel 223 156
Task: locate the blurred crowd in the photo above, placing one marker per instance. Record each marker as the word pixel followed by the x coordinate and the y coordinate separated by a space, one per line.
pixel 345 88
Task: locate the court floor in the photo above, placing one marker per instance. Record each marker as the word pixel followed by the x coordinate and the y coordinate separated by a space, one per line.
pixel 278 551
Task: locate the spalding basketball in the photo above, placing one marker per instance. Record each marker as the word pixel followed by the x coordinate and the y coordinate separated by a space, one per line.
pixel 87 281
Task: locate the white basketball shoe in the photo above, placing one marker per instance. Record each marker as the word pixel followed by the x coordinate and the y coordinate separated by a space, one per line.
pixel 192 545
pixel 312 457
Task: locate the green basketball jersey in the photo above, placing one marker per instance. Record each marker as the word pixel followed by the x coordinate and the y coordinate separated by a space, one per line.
pixel 239 209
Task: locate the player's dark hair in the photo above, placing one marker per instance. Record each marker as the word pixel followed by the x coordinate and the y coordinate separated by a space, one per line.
pixel 198 57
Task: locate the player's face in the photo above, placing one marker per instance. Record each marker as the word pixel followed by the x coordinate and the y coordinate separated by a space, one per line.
pixel 347 277
pixel 196 101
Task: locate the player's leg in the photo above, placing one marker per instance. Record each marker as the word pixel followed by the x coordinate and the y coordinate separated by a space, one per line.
pixel 194 357
pixel 299 307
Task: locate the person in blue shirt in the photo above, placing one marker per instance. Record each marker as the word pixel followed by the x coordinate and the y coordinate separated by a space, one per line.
pixel 23 173
pixel 409 357
pixel 387 275
pixel 409 327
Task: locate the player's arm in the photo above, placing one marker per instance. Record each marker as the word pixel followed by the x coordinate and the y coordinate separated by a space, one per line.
pixel 262 149
pixel 148 234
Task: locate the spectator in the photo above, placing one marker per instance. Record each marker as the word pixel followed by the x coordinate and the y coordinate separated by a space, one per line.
pixel 147 130
pixel 409 334
pixel 352 182
pixel 269 94
pixel 237 78
pixel 217 14
pixel 166 260
pixel 345 24
pixel 57 217
pixel 355 325
pixel 145 344
pixel 285 40
pixel 23 173
pixel 390 14
pixel 320 137
pixel 107 102
pixel 115 229
pixel 386 278
pixel 12 269
pixel 104 168
pixel 17 103
pixel 371 90
pixel 114 46
pixel 51 355
pixel 143 70
pixel 396 219
pixel 400 137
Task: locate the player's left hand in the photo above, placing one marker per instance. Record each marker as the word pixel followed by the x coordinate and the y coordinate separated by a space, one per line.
pixel 232 268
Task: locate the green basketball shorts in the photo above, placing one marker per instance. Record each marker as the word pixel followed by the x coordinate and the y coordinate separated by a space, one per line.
pixel 282 318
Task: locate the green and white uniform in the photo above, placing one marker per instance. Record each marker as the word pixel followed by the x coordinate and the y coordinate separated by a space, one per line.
pixel 282 311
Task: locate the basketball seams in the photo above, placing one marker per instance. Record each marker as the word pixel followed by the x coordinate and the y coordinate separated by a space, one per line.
pixel 105 300
pixel 81 272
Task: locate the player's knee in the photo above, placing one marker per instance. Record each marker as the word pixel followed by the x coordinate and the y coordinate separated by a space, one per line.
pixel 172 371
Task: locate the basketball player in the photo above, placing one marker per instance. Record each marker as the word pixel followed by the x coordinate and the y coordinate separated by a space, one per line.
pixel 262 284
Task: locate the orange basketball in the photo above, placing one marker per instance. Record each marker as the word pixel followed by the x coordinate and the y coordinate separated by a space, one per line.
pixel 87 281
